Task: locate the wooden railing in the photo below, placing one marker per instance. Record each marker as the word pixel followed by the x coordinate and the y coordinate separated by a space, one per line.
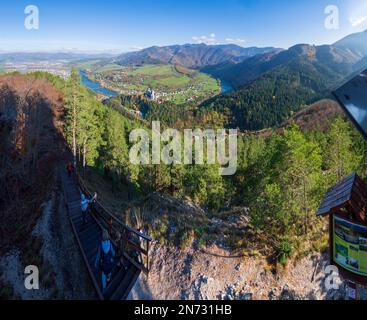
pixel 133 244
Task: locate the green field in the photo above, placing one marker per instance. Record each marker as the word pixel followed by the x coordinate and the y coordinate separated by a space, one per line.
pixel 97 66
pixel 171 83
pixel 90 64
pixel 163 75
pixel 109 67
pixel 152 70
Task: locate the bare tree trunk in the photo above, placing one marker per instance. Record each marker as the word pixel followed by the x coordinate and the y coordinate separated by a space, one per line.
pixel 305 206
pixel 84 156
pixel 74 132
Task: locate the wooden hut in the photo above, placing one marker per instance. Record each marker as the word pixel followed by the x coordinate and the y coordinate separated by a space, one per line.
pixel 346 206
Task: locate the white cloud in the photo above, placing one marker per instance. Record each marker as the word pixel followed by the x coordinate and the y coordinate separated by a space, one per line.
pixel 136 48
pixel 356 22
pixel 237 41
pixel 210 40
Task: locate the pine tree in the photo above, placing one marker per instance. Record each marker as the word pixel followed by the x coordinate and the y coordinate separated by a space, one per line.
pixel 290 182
pixel 339 157
pixel 300 174
pixel 72 105
pixel 89 138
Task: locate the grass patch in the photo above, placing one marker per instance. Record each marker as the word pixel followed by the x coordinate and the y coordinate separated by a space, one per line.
pixel 109 67
pixel 171 83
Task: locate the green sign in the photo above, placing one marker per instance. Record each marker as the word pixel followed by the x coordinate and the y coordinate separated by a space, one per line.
pixel 350 246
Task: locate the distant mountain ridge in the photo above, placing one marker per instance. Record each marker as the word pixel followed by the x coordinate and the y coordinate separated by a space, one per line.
pixel 355 43
pixel 338 60
pixel 272 86
pixel 192 55
pixel 42 56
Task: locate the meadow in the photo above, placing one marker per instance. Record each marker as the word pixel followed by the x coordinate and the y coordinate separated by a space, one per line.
pixel 171 83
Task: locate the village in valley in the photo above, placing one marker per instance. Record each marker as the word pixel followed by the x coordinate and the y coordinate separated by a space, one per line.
pixel 159 83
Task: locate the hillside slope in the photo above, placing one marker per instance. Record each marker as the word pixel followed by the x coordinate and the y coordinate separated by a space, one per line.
pixel 338 60
pixel 275 86
pixel 34 227
pixel 355 43
pixel 191 55
pixel 29 124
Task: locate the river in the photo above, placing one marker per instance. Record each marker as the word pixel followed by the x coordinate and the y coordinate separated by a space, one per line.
pixel 95 86
pixel 226 87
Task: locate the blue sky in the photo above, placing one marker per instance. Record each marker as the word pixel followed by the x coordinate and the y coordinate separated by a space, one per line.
pixel 125 25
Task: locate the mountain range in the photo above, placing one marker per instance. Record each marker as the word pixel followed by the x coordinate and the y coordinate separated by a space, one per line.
pixel 51 56
pixel 355 43
pixel 192 55
pixel 272 86
pixel 271 83
pixel 343 57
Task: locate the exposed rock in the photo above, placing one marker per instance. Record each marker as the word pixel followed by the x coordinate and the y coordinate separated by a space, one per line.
pixel 212 274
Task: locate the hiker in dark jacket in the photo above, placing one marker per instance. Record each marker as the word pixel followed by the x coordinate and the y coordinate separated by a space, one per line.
pixel 105 259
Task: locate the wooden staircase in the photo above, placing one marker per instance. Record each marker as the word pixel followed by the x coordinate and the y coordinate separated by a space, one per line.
pixel 89 236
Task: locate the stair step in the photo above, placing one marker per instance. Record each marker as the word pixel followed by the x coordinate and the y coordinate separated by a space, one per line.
pixel 129 277
pixel 89 229
pixel 133 280
pixel 79 224
pixel 89 236
pixel 91 256
pixel 76 217
pixel 116 281
pixel 74 205
pixel 91 245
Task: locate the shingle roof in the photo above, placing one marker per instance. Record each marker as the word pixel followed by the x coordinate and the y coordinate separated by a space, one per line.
pixel 350 194
pixel 337 196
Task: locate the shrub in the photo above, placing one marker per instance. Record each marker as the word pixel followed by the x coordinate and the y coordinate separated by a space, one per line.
pixel 284 251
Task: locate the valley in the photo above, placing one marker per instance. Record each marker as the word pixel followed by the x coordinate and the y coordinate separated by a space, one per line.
pixel 254 88
pixel 251 235
pixel 170 83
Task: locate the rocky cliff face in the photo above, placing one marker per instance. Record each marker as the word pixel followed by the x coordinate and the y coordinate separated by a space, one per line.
pixel 215 274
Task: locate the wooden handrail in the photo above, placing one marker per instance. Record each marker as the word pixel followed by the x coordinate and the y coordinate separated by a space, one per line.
pixel 130 243
pixel 107 216
pixel 141 235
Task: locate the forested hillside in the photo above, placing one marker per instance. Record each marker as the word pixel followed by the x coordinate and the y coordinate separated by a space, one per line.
pixel 281 178
pixel 279 85
pixel 191 55
pixel 169 114
pixel 271 99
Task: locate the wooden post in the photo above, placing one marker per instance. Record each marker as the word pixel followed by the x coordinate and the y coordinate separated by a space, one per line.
pixel 148 267
pixel 110 225
pixel 331 238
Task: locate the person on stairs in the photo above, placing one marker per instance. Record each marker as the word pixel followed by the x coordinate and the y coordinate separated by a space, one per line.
pixel 70 169
pixel 105 259
pixel 84 205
